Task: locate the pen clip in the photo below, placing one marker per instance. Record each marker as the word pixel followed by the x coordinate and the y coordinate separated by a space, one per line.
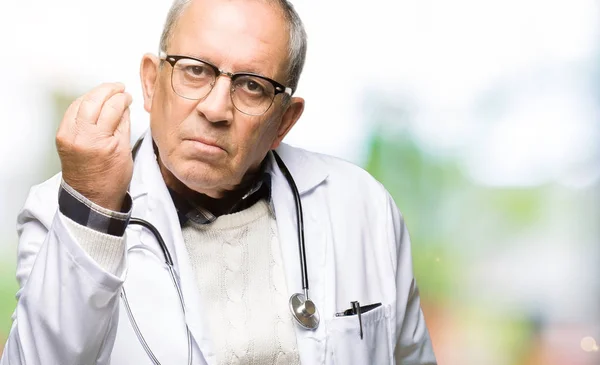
pixel 363 309
pixel 357 310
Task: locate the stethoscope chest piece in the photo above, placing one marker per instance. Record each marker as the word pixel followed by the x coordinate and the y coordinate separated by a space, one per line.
pixel 304 311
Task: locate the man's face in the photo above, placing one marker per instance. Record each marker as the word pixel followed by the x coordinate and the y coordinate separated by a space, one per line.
pixel 208 144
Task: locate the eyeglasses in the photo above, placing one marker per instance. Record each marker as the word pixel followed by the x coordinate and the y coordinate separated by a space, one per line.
pixel 194 79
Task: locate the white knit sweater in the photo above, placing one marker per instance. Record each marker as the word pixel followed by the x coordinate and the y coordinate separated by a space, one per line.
pixel 238 266
pixel 237 261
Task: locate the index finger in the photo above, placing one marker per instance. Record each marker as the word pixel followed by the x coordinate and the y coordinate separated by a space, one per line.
pixel 91 103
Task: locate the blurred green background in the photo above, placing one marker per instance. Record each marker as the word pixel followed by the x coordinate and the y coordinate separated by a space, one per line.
pixel 479 117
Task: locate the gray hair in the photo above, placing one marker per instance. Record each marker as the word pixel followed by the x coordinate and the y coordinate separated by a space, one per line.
pixel 297 38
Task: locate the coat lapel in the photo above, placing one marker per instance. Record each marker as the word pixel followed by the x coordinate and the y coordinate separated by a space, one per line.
pixel 153 202
pixel 311 344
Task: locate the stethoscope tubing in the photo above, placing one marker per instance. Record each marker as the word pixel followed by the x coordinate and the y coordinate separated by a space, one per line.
pixel 299 221
pixel 170 266
pixel 173 275
pixel 156 233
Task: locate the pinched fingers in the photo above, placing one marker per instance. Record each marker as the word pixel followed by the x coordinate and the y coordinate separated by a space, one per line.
pixel 93 145
pixel 91 103
pixel 113 111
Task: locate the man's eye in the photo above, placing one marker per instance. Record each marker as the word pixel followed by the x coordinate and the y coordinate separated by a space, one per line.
pixel 195 70
pixel 251 86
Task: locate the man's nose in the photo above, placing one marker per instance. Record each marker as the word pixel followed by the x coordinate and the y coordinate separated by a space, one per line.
pixel 217 106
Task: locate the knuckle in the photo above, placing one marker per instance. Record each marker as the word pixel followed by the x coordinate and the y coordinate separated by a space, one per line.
pixel 90 99
pixel 117 103
pixel 111 85
pixel 63 145
pixel 75 103
pixel 60 140
pixel 72 110
pixel 87 108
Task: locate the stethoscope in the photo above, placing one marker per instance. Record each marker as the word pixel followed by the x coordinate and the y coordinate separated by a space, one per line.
pixel 303 309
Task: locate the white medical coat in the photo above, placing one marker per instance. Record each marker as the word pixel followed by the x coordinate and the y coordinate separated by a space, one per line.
pixel 69 309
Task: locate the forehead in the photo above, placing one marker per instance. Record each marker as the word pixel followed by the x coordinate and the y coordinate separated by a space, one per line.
pixel 235 35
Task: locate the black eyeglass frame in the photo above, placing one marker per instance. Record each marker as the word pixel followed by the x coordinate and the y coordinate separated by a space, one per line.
pixel 173 59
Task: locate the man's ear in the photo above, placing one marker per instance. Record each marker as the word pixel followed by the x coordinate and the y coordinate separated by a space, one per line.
pixel 149 77
pixel 288 119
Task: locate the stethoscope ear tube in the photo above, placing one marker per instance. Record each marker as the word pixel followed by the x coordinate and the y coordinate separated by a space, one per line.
pixel 302 307
pixel 299 219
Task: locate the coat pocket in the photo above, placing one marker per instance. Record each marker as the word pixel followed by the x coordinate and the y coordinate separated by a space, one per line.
pixel 375 348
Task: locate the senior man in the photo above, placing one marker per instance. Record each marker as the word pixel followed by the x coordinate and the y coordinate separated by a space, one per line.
pixel 233 222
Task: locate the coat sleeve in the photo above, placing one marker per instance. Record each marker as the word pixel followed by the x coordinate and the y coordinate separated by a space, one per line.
pixel 67 304
pixel 413 344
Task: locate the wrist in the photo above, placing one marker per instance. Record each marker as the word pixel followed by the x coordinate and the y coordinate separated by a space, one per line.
pixel 111 203
pixel 85 212
pixel 111 200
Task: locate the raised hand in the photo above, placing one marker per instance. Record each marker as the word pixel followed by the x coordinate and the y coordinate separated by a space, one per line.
pixel 93 145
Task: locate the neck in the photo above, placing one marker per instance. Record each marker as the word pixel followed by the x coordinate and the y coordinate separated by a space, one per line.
pixel 217 202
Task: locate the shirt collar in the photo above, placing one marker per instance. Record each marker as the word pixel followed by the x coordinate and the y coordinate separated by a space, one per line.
pixel 197 209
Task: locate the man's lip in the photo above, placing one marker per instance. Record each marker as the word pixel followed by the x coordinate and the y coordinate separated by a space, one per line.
pixel 206 142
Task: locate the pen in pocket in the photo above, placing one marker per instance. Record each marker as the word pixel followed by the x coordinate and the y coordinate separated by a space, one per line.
pixel 357 309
